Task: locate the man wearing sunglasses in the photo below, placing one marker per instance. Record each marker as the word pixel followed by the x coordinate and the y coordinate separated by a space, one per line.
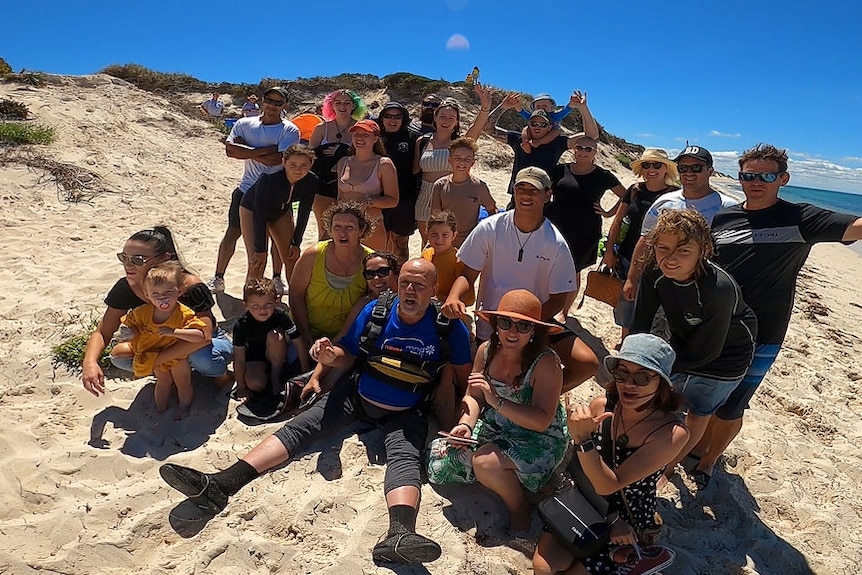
pixel 695 168
pixel 259 142
pixel 763 244
pixel 424 124
pixel 544 155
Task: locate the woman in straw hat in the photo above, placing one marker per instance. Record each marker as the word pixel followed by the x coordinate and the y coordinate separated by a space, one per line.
pixel 660 176
pixel 622 459
pixel 511 409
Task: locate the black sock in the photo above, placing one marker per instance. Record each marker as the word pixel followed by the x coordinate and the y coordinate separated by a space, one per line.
pixel 219 275
pixel 402 519
pixel 235 477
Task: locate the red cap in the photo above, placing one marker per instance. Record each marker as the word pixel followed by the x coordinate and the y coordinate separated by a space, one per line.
pixel 366 126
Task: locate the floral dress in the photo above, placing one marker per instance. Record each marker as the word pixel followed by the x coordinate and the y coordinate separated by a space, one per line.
pixel 535 454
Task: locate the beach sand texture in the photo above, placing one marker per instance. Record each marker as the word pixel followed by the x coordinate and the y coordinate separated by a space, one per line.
pixel 80 492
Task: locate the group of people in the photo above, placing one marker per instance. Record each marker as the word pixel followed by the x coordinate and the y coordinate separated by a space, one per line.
pixel 381 333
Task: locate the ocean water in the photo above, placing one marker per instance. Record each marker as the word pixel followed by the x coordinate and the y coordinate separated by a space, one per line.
pixel 835 201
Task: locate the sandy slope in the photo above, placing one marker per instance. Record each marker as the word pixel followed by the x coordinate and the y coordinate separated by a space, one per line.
pixel 80 493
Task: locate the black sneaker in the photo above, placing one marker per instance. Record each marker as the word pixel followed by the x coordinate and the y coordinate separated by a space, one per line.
pixel 406 548
pixel 195 485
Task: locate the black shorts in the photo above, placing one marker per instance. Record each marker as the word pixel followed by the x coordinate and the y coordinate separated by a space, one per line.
pixel 401 220
pixel 328 189
pixel 233 210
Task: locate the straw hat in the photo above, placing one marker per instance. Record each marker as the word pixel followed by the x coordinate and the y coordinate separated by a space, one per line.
pixel 654 155
pixel 520 304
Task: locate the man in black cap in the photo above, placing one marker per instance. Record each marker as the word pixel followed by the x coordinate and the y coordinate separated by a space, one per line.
pixel 695 168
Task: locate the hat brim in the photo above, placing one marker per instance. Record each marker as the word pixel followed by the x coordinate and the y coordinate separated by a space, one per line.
pixel 535 182
pixel 553 328
pixel 612 360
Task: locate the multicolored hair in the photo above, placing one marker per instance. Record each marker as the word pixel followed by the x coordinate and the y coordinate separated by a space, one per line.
pixel 360 110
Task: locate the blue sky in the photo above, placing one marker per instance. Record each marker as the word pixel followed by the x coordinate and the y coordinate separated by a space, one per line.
pixel 724 75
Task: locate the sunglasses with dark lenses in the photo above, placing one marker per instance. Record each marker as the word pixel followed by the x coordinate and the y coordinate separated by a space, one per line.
pixel 523 326
pixel 380 272
pixel 765 177
pixel 430 104
pixel 693 168
pixel 392 116
pixel 640 379
pixel 271 102
pixel 651 165
pixel 136 261
pixel 538 124
pixel 584 148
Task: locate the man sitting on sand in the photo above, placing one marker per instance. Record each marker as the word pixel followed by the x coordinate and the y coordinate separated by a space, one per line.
pixel 377 394
pixel 763 243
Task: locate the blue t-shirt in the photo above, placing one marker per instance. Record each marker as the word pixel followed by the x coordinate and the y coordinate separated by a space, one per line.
pixel 419 339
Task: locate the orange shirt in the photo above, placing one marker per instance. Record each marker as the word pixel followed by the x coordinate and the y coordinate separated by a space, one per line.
pixel 449 267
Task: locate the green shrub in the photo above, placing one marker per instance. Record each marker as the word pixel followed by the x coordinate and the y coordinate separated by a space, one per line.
pixel 21 133
pixel 624 160
pixel 12 110
pixel 70 353
pixel 152 81
pixel 36 79
pixel 417 86
pixel 5 68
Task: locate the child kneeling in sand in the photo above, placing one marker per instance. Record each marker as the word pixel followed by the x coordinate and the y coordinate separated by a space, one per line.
pixel 155 327
pixel 261 352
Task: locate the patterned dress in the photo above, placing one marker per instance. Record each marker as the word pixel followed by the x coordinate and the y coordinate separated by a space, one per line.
pixel 535 454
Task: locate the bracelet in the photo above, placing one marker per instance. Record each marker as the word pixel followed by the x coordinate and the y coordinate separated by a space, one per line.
pixel 467 425
pixel 484 109
pixel 617 518
pixel 500 401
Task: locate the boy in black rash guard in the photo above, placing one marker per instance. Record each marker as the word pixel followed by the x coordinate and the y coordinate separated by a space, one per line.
pixel 764 243
pixel 260 350
pixel 712 328
pixel 266 209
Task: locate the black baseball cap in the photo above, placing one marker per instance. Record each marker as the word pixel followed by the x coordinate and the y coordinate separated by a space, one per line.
pixel 697 153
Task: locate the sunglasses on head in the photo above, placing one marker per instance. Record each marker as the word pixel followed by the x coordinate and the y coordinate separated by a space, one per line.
pixel 765 177
pixel 392 116
pixel 640 378
pixel 693 168
pixel 136 260
pixel 271 102
pixel 538 124
pixel 651 165
pixel 380 272
pixel 584 148
pixel 523 326
pixel 430 104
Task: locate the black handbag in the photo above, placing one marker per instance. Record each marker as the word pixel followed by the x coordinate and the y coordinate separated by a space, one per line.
pixel 575 522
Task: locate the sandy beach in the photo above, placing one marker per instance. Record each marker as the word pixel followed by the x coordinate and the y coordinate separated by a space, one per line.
pixel 80 492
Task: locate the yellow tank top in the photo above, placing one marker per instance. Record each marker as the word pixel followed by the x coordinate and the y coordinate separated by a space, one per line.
pixel 328 307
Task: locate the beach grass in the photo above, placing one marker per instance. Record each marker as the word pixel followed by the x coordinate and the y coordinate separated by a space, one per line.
pixel 17 133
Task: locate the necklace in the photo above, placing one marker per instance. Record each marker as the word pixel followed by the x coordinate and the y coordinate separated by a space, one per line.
pixel 623 438
pixel 338 129
pixel 520 243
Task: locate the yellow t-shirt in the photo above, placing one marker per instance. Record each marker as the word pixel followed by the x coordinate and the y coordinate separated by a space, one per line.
pixel 328 307
pixel 147 342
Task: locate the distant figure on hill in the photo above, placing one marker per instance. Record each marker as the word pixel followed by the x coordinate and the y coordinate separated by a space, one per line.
pixel 212 107
pixel 250 107
pixel 259 142
pixel 764 243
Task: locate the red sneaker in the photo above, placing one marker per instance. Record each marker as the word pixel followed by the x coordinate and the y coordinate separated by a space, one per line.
pixel 653 559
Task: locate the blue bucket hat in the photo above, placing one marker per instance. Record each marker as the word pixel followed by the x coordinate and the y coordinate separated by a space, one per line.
pixel 646 350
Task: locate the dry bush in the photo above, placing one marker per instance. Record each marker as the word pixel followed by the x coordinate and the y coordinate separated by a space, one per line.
pixel 12 110
pixel 74 184
pixel 5 68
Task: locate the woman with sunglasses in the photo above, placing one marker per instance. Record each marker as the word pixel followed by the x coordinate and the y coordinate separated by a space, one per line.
pixel 432 151
pixel 331 141
pixel 141 252
pixel 641 435
pixel 712 329
pixel 660 176
pixel 512 430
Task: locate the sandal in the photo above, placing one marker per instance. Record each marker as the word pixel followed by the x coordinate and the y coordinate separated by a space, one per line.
pixel 406 548
pixel 197 486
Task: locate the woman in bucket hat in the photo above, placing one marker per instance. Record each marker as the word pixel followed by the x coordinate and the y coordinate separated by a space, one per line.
pixel 512 430
pixel 644 434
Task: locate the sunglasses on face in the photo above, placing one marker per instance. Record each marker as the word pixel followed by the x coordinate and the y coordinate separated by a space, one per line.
pixel 693 168
pixel 392 116
pixel 430 104
pixel 640 379
pixel 136 261
pixel 523 326
pixel 765 177
pixel 276 103
pixel 651 165
pixel 538 124
pixel 584 148
pixel 380 272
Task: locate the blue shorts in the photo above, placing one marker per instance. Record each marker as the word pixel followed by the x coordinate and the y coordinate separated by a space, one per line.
pixel 703 395
pixel 737 403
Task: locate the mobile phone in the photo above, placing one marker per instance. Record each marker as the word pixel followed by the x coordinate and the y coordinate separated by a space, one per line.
pixel 458 439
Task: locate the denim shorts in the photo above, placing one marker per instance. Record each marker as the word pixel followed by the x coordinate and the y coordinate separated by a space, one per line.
pixel 703 395
pixel 737 403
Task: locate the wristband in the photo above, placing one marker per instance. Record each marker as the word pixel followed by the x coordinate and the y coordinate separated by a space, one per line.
pixel 467 425
pixel 500 401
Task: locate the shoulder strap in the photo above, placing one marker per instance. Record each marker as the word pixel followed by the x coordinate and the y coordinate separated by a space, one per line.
pixel 424 140
pixel 376 321
pixel 444 329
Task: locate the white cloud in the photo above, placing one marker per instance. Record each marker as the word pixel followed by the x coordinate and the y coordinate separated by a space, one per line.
pixel 852 159
pixel 723 135
pixel 457 42
pixel 646 135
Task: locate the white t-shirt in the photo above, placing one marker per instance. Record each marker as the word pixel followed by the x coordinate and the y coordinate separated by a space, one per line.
pixel 707 206
pixel 257 135
pixel 546 267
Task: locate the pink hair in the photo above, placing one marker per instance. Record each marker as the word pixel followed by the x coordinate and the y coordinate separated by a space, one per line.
pixel 360 110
